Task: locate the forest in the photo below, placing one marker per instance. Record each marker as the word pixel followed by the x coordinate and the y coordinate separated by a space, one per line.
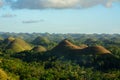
pixel 45 56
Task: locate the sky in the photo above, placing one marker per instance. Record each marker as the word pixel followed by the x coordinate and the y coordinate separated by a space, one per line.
pixel 60 16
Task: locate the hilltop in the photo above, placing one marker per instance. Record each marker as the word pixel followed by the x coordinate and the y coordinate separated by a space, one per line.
pixel 66 46
pixel 39 49
pixel 95 50
pixel 44 41
pixel 59 56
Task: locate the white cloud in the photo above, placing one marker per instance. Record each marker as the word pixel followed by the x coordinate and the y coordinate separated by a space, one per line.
pixel 59 4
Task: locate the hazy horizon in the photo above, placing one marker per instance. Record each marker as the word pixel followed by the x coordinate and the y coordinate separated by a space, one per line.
pixel 60 16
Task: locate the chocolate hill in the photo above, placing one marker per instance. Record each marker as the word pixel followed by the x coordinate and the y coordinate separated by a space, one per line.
pixel 44 41
pixel 66 46
pixel 95 50
pixel 39 49
pixel 18 45
pixel 86 56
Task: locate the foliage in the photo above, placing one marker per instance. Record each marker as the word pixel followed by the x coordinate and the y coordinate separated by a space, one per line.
pixel 3 75
pixel 60 65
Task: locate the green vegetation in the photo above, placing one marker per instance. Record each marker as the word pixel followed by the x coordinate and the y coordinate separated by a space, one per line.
pixel 59 56
pixel 3 75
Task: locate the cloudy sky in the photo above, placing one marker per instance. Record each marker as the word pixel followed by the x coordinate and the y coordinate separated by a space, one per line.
pixel 60 16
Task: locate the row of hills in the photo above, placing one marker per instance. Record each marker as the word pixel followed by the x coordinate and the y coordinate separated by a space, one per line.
pixel 18 45
pixel 59 56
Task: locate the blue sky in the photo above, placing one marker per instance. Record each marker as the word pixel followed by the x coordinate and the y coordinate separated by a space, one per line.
pixel 92 17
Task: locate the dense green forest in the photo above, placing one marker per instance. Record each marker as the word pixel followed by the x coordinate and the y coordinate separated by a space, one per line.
pixel 44 56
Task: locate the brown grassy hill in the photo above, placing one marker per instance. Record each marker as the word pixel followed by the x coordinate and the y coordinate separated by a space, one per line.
pixel 66 45
pixel 95 50
pixel 86 56
pixel 66 48
pixel 18 45
pixel 39 49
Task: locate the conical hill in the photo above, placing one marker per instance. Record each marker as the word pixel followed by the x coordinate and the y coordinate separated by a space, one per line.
pixel 18 45
pixel 44 41
pixel 39 49
pixel 95 50
pixel 66 45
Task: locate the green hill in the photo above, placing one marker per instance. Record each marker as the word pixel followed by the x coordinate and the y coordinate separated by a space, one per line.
pixel 39 49
pixel 8 40
pixel 44 41
pixel 5 42
pixel 18 45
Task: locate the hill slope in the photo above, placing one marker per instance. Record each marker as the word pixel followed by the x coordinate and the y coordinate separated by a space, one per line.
pixel 41 41
pixel 93 56
pixel 95 50
pixel 39 49
pixel 18 45
pixel 66 46
pixel 8 40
